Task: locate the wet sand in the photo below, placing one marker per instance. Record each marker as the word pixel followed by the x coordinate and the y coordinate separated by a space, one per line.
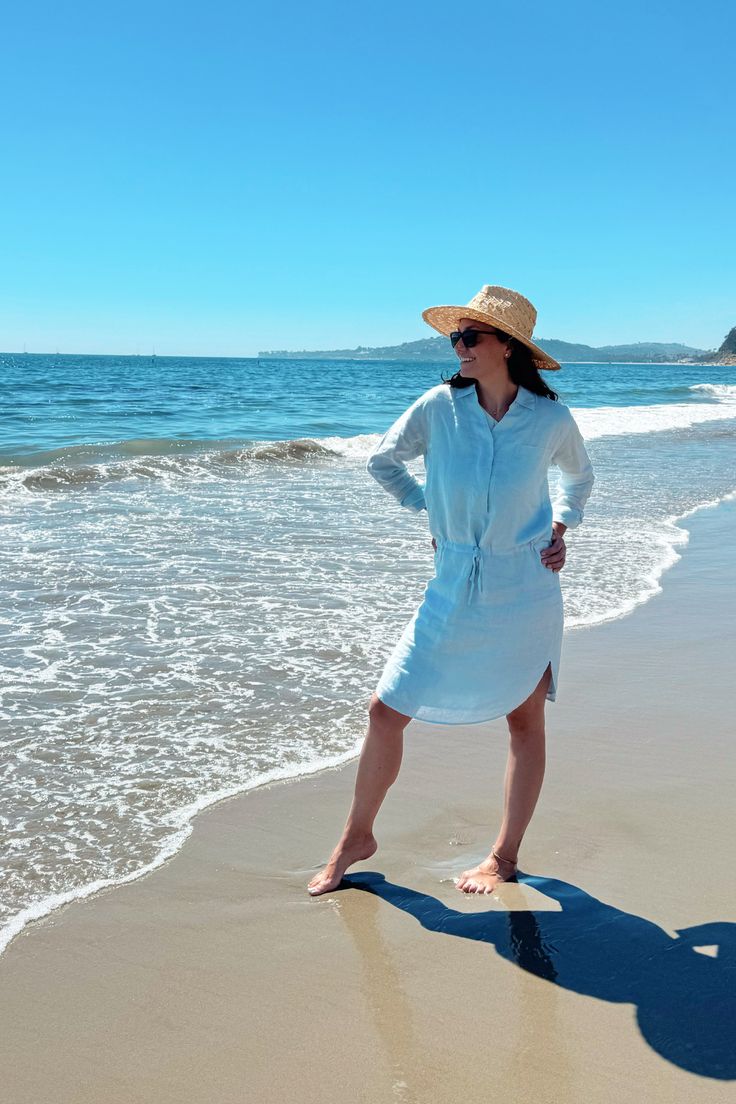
pixel 217 978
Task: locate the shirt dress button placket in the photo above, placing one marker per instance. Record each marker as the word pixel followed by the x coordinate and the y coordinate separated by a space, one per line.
pixel 475 575
pixel 490 469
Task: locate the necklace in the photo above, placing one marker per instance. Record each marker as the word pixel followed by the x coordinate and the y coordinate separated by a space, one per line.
pixel 496 414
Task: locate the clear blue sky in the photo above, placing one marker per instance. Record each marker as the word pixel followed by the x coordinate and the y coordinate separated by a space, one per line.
pixel 220 178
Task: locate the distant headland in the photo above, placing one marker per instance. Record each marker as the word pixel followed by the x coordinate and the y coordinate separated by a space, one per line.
pixel 439 349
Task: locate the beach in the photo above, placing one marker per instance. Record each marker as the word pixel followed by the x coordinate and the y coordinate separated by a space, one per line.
pixel 605 974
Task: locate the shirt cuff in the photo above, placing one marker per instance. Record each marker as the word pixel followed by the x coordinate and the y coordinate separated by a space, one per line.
pixel 568 515
pixel 414 500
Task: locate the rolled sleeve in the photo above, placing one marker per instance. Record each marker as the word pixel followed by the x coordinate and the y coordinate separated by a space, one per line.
pixel 577 477
pixel 404 440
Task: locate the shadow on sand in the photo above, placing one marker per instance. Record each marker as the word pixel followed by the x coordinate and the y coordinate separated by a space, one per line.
pixel 685 999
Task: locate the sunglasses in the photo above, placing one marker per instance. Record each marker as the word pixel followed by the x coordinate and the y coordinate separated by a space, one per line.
pixel 469 336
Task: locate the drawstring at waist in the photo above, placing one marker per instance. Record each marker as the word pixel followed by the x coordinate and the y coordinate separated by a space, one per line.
pixel 475 575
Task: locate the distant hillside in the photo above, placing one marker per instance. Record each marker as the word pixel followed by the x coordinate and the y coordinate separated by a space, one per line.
pixel 439 349
pixel 727 352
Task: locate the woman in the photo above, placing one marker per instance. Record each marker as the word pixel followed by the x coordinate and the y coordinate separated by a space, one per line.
pixel 486 640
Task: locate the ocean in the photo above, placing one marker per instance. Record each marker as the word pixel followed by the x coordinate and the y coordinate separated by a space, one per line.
pixel 200 581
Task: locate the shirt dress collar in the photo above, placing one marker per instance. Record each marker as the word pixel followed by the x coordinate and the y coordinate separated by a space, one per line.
pixel 524 397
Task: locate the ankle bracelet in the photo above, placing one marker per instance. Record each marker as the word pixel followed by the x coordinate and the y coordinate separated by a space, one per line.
pixel 501 858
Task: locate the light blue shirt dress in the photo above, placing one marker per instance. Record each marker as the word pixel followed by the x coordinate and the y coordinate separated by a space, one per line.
pixel 491 618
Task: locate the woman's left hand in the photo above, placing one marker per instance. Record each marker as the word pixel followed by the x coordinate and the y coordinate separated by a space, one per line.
pixel 554 556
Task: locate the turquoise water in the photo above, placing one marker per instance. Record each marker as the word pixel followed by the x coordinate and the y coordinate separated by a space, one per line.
pixel 52 404
pixel 200 583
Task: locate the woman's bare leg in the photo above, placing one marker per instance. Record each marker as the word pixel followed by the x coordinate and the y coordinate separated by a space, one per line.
pixel 524 776
pixel 378 768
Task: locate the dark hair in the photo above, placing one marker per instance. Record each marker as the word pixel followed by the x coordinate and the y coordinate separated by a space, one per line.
pixel 521 369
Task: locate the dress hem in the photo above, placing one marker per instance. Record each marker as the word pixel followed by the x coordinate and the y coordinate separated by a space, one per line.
pixel 551 696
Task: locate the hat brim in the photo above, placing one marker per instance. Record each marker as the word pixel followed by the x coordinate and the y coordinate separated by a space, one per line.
pixel 445 320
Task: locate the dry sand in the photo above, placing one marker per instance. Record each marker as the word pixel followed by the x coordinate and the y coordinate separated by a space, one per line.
pixel 218 979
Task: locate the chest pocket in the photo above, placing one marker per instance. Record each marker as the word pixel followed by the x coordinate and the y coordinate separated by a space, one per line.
pixel 521 465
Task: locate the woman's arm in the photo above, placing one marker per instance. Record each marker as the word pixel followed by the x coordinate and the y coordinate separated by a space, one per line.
pixel 404 440
pixel 577 477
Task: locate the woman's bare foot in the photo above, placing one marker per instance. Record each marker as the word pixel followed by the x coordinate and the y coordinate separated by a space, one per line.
pixel 349 850
pixel 484 877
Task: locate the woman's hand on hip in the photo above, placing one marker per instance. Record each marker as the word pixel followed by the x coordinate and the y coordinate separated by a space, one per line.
pixel 554 556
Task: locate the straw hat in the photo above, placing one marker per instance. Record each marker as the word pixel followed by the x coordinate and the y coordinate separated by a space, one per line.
pixel 498 306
